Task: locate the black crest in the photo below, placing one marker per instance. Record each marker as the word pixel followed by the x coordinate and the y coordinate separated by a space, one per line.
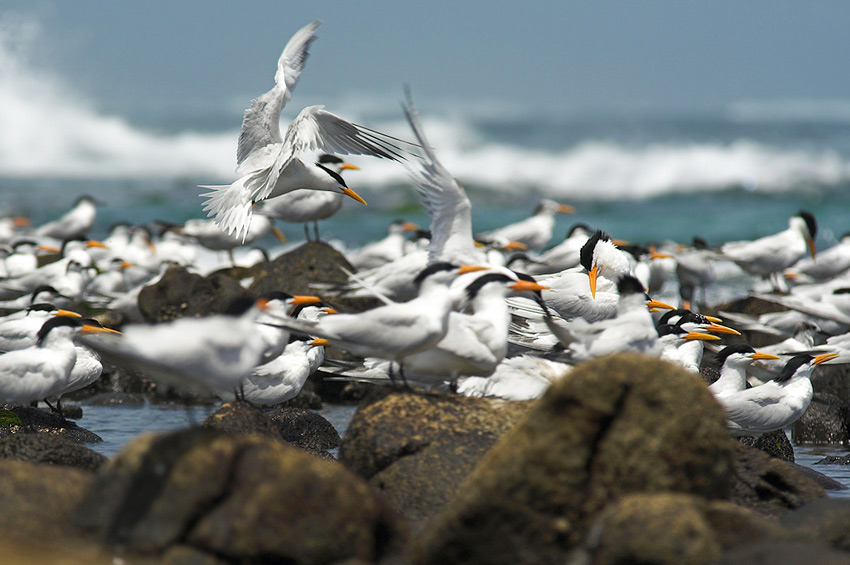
pixel 811 223
pixel 484 279
pixel 431 269
pixel 724 353
pixel 326 158
pixel 55 322
pixel 629 285
pixel 792 365
pixel 336 176
pixel 578 226
pixel 586 253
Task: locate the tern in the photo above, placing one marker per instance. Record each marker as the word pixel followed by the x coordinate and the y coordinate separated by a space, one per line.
pixel 525 377
pixel 734 361
pixel 534 232
pixel 42 370
pixel 385 250
pixel 305 206
pixel 775 404
pixel 198 355
pixel 770 255
pixel 396 330
pixel 270 164
pixel 565 255
pixel 22 332
pixel 74 224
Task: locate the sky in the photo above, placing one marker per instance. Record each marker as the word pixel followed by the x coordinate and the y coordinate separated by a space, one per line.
pixel 171 57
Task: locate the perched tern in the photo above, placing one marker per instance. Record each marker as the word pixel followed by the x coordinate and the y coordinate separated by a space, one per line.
pixel 524 377
pixel 534 232
pixel 565 255
pixel 270 164
pixel 734 361
pixel 385 250
pixel 22 332
pixel 775 404
pixel 74 224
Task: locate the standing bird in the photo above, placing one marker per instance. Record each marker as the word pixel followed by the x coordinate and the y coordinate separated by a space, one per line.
pixel 535 231
pixel 734 361
pixel 305 206
pixel 768 256
pixel 74 224
pixel 270 164
pixel 775 404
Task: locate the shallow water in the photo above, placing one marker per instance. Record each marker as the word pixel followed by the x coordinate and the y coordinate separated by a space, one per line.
pixel 117 425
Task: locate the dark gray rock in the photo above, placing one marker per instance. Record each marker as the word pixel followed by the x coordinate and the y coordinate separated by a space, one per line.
pixel 304 429
pixel 834 460
pixel 47 422
pixel 181 293
pixel 242 419
pixel 824 481
pixel 776 444
pixel 825 421
pixel 49 449
pixel 242 499
pixel 769 485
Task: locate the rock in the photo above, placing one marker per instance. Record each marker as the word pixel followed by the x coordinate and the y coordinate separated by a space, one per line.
pixel 673 528
pixel 621 424
pixel 236 499
pixel 834 380
pixel 783 553
pixel 72 411
pixel 393 424
pixel 38 500
pixel 50 449
pixel 768 485
pixel 304 429
pixel 755 307
pixel 44 422
pixel 402 440
pixel 825 520
pixel 834 460
pixel 825 421
pixel 242 419
pixel 181 293
pixel 296 270
pixel 825 482
pixel 776 444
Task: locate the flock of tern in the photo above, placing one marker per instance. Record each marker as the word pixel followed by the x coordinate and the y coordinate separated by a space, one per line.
pixel 458 312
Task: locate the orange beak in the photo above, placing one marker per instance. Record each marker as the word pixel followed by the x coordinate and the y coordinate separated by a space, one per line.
pixel 67 314
pixel 528 285
pixel 330 310
pixel 319 342
pixel 824 358
pixel 718 329
pixel 565 209
pixel 592 274
pixel 470 269
pixel 95 243
pixel 301 299
pixel 759 355
pixel 348 167
pixel 811 244
pixel 691 336
pixel 279 234
pixel 515 245
pixel 409 226
pixel 20 222
pixel 350 193
pixel 49 249
pixel 658 305
pixel 87 329
pixel 262 303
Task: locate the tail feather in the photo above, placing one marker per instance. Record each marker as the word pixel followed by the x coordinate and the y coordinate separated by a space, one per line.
pixel 231 207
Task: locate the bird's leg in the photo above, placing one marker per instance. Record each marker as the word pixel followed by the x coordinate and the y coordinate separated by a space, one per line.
pixel 55 409
pixel 230 254
pixel 403 378
pixel 391 375
pixel 316 229
pixel 307 230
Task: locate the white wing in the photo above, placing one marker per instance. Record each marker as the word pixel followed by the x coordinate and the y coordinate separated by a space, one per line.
pixel 316 129
pixel 261 124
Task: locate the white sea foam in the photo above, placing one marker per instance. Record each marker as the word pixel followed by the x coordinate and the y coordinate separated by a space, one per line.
pixel 48 130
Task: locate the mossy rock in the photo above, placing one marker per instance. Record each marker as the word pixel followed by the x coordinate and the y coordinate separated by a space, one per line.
pixel 776 444
pixel 621 424
pixel 51 450
pixel 179 293
pixel 826 520
pixel 9 419
pixel 674 529
pixel 237 499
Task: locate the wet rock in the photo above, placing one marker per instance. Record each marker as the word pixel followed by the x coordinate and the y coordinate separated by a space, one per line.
pixel 242 419
pixel 72 411
pixel 673 528
pixel 834 380
pixel 825 421
pixel 50 449
pixel 304 429
pixel 825 482
pixel 44 422
pixel 296 270
pixel 181 293
pixel 238 499
pixel 621 424
pixel 783 553
pixel 755 307
pixel 826 520
pixel 834 460
pixel 768 485
pixel 776 444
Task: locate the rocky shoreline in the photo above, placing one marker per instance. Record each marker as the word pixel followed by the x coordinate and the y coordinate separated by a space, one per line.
pixel 626 460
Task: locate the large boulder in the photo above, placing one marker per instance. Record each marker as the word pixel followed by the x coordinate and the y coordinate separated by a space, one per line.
pixel 783 553
pixel 619 425
pixel 297 270
pixel 242 419
pixel 51 449
pixel 401 441
pixel 674 529
pixel 776 444
pixel 825 520
pixel 236 499
pixel 44 422
pixel 825 421
pixel 769 485
pixel 304 428
pixel 180 293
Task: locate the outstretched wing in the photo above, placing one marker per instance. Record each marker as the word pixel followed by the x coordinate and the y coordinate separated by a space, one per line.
pixel 261 124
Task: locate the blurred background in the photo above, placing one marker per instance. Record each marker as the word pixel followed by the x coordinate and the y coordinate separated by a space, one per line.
pixel 656 121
